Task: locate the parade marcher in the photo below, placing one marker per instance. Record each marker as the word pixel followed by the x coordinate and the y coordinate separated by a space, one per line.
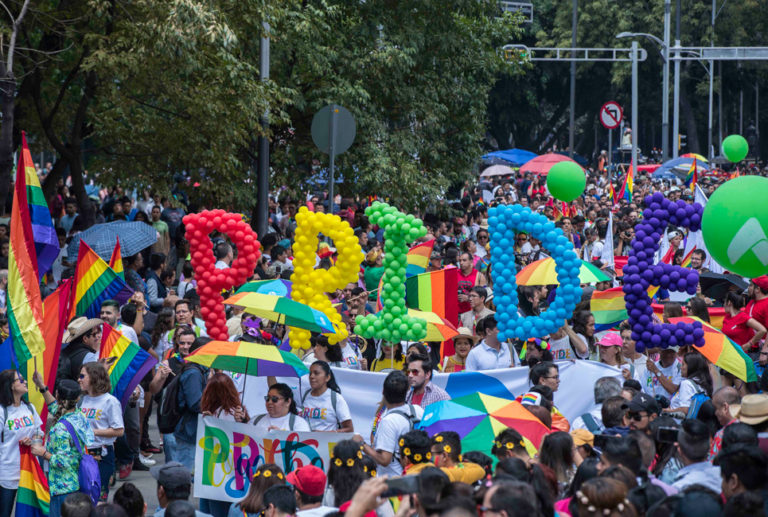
pixel 282 413
pixel 462 345
pixel 423 392
pixel 490 353
pixel 323 406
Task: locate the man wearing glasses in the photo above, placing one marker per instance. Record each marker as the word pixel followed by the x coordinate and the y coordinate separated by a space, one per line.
pixel 483 238
pixel 643 409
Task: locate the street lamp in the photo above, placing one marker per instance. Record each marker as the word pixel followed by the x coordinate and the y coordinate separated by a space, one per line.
pixel 665 87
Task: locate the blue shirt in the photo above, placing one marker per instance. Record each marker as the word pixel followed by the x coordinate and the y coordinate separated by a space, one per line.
pixel 484 357
pixel 702 473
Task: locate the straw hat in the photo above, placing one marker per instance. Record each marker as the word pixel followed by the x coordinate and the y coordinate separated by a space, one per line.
pixel 753 409
pixel 465 332
pixel 78 327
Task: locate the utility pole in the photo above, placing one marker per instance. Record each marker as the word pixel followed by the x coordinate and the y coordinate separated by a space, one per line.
pixel 635 130
pixel 572 115
pixel 665 84
pixel 710 153
pixel 262 182
pixel 676 97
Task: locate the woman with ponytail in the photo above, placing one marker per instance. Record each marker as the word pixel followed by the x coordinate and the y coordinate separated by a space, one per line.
pixel 323 406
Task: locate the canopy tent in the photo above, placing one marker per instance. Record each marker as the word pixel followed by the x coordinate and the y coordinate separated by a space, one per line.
pixel 542 164
pixel 679 168
pixel 513 157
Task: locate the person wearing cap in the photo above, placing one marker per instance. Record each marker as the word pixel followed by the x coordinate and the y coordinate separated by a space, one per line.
pixel 309 484
pixel 174 483
pixel 478 310
pixel 642 410
pixel 462 344
pixel 609 349
pixel 753 411
pixel 60 450
pixel 81 340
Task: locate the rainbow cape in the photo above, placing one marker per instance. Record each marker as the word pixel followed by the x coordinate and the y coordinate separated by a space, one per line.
pixel 33 498
pixel 95 282
pixel 608 308
pixel 132 363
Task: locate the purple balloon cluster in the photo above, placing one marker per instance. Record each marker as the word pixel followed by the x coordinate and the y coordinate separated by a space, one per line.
pixel 640 273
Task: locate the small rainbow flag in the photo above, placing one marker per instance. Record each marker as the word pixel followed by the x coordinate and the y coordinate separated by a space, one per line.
pixel 687 259
pixel 608 308
pixel 418 258
pixel 116 260
pixel 95 282
pixel 132 363
pixel 693 175
pixel 33 498
pixel 629 182
pixel 612 191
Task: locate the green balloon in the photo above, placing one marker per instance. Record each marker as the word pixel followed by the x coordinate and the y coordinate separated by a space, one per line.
pixel 735 148
pixel 566 181
pixel 735 226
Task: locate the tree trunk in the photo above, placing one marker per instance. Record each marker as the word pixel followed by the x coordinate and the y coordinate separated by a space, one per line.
pixel 7 92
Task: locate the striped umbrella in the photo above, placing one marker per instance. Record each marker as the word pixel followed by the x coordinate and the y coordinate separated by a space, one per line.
pixel 283 310
pixel 542 272
pixel 248 358
pixel 721 351
pixel 438 329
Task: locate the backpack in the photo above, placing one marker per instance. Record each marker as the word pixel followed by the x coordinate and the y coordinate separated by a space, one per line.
pixel 696 402
pixel 88 472
pixel 413 420
pixel 169 412
pixel 591 423
pixel 333 404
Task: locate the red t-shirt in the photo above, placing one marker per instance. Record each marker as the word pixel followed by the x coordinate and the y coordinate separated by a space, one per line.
pixel 758 310
pixel 466 283
pixel 735 327
pixel 416 399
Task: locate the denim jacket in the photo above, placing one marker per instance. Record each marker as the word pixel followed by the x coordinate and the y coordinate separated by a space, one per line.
pixel 192 383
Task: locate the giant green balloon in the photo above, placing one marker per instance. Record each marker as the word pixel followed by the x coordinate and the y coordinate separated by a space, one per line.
pixel 735 226
pixel 566 181
pixel 735 148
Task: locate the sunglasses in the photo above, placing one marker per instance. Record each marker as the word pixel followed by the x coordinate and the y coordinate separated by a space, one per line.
pixel 274 400
pixel 82 376
pixel 637 417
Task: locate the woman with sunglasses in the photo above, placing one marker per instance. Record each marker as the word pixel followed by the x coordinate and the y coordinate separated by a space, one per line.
pixel 105 416
pixel 323 406
pixel 282 414
pixel 20 424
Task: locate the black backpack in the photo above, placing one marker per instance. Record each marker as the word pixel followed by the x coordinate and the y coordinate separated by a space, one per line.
pixel 169 412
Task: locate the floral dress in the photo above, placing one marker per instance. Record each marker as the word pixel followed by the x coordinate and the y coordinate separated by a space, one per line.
pixel 64 464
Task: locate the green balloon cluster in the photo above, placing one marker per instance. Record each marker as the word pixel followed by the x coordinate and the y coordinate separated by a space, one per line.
pixel 735 148
pixel 393 323
pixel 566 181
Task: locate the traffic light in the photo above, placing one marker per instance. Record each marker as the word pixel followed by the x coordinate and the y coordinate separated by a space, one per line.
pixel 681 141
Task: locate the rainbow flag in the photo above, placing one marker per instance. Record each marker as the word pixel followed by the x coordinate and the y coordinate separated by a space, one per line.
pixel 687 259
pixel 435 292
pixel 95 282
pixel 608 308
pixel 132 363
pixel 693 175
pixel 629 182
pixel 33 498
pixel 116 260
pixel 418 258
pixel 613 192
pixel 30 225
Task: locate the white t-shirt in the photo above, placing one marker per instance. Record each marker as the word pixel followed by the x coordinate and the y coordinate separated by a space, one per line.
pixel 19 423
pixel 102 412
pixel 128 332
pixel 684 394
pixel 673 373
pixel 282 423
pixel 351 357
pixel 320 413
pixel 562 350
pixel 90 357
pixel 391 427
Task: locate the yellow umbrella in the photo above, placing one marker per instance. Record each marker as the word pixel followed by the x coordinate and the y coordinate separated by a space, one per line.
pixel 438 329
pixel 542 272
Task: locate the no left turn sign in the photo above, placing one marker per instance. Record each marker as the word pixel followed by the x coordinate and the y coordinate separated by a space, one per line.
pixel 611 115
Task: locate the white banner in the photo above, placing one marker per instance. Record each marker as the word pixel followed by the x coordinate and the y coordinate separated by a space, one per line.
pixel 228 453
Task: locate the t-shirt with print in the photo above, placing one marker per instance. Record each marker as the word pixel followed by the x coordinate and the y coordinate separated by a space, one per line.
pixel 562 350
pixel 320 414
pixel 102 412
pixel 283 423
pixel 351 356
pixel 20 422
pixel 672 373
pixel 391 428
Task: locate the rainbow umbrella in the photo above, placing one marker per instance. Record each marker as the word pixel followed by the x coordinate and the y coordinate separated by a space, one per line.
pixel 277 287
pixel 283 310
pixel 248 358
pixel 722 351
pixel 478 418
pixel 542 272
pixel 698 157
pixel 438 328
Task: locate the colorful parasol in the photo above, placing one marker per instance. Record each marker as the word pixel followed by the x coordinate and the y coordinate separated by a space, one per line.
pixel 277 287
pixel 248 358
pixel 478 418
pixel 283 310
pixel 721 351
pixel 542 272
pixel 438 329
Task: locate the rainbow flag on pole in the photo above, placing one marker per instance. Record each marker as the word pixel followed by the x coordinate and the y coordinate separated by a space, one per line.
pixel 629 182
pixel 418 258
pixel 33 498
pixel 608 308
pixel 29 258
pixel 693 175
pixel 132 363
pixel 116 260
pixel 95 282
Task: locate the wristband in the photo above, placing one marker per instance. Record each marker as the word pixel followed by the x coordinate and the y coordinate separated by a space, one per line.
pixel 44 389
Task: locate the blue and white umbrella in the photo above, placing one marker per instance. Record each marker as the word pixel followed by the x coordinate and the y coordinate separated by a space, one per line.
pixel 134 237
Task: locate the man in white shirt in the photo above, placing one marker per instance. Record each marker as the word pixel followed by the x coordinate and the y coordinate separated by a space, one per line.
pixel 637 362
pixel 490 353
pixel 224 256
pixel 309 484
pixel 477 296
pixel 110 314
pixel 592 421
pixel 397 419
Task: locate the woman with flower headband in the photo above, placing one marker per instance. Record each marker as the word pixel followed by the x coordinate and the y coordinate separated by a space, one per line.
pixel 446 454
pixel 602 497
pixel 349 468
pixel 509 444
pixel 266 475
pixel 323 406
pixel 415 452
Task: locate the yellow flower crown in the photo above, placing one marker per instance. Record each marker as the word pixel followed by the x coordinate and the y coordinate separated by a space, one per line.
pixel 438 438
pixel 267 473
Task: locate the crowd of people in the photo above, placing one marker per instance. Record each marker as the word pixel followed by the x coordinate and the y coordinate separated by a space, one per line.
pixel 669 434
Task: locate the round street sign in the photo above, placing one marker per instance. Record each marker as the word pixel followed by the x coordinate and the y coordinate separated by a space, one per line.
pixel 344 126
pixel 611 115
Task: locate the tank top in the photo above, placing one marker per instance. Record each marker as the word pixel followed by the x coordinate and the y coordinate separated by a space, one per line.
pixel 466 283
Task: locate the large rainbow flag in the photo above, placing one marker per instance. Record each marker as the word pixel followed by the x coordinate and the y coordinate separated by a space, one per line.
pixel 132 363
pixel 95 282
pixel 418 258
pixel 608 308
pixel 33 498
pixel 33 248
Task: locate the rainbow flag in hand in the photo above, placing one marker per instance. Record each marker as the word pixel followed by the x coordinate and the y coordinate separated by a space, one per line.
pixel 116 260
pixel 418 258
pixel 629 182
pixel 32 249
pixel 608 308
pixel 693 176
pixel 132 363
pixel 33 498
pixel 95 282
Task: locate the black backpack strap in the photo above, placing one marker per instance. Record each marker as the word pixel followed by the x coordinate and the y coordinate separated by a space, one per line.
pixel 590 422
pixel 258 419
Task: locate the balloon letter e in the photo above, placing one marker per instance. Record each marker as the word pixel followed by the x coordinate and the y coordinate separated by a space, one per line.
pixel 392 323
pixel 503 222
pixel 211 281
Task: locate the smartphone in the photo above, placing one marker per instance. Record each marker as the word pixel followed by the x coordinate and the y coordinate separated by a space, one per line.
pixel 401 486
pixel 601 440
pixel 666 434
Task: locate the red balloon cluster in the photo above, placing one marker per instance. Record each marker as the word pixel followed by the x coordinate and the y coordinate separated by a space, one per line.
pixel 211 281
